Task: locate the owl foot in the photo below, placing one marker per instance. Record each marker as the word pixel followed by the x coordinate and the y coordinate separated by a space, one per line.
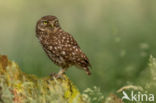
pixel 56 76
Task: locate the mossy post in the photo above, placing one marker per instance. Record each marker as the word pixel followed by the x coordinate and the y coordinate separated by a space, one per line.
pixel 19 87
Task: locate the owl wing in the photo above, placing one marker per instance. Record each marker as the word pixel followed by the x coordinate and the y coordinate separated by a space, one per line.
pixel 64 45
pixel 73 52
pixel 69 40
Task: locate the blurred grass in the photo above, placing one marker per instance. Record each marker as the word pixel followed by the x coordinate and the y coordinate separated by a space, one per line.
pixel 117 36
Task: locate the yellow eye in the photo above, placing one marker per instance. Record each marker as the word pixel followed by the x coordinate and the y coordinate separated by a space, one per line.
pixel 45 22
pixel 56 23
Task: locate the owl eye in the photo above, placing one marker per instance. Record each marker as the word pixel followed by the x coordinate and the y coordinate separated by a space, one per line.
pixel 45 22
pixel 56 24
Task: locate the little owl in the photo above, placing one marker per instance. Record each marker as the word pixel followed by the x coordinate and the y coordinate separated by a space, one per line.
pixel 60 46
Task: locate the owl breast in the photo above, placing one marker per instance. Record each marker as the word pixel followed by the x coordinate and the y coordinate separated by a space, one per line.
pixel 57 59
pixel 53 47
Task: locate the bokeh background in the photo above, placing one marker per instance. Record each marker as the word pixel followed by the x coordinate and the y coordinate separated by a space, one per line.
pixel 118 37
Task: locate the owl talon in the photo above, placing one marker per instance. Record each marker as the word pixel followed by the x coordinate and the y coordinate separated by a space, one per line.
pixel 52 74
pixel 56 76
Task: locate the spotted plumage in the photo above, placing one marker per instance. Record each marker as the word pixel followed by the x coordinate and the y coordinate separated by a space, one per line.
pixel 59 45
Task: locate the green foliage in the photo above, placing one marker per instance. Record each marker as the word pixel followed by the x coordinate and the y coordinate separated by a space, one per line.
pixel 150 85
pixel 93 95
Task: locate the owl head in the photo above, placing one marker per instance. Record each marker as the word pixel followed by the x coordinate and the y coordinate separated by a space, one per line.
pixel 47 24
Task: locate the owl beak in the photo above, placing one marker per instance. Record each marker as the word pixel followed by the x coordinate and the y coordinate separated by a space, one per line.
pixel 51 24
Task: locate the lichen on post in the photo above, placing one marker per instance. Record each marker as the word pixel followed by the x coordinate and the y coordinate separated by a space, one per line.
pixel 19 87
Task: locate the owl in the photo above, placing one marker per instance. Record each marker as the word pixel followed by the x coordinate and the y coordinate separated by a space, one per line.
pixel 60 46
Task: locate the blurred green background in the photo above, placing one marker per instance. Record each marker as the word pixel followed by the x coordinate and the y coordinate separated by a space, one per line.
pixel 118 37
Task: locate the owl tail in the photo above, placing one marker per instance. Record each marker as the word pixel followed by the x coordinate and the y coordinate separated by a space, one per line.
pixel 87 70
